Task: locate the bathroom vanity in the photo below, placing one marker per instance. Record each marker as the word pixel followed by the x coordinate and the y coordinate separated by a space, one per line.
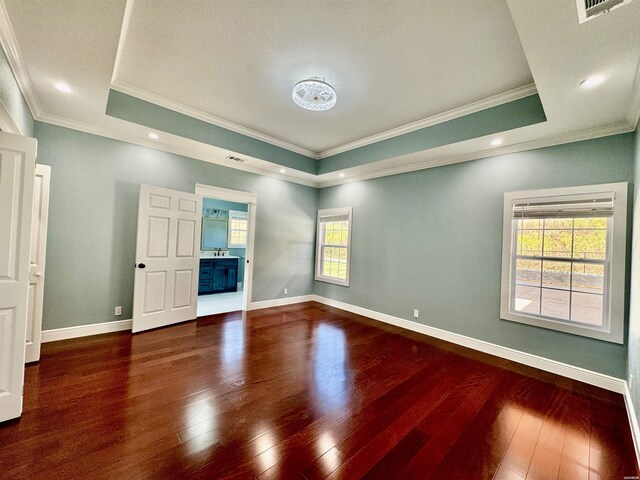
pixel 218 275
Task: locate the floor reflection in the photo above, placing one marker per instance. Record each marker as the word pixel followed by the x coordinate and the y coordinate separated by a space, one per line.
pixel 233 345
pixel 330 369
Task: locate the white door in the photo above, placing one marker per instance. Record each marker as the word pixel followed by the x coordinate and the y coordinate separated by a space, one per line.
pixel 17 164
pixel 39 222
pixel 167 258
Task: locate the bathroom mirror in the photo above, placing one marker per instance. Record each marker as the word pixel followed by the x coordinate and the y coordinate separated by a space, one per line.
pixel 214 233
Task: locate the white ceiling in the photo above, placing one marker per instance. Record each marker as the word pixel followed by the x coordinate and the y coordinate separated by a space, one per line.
pixel 392 63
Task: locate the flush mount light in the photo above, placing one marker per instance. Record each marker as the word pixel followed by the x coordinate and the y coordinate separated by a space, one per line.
pixel 63 87
pixel 153 136
pixel 592 81
pixel 496 141
pixel 341 175
pixel 282 170
pixel 314 94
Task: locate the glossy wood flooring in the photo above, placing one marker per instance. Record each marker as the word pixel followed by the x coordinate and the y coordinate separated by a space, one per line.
pixel 304 391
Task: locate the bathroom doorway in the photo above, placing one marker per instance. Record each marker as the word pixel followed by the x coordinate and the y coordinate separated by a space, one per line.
pixel 226 250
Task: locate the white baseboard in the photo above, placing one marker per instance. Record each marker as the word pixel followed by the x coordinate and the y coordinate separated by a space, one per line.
pixel 633 421
pixel 85 330
pixel 279 302
pixel 587 376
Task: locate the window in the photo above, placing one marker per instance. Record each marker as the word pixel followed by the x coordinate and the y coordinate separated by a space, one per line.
pixel 238 229
pixel 334 245
pixel 563 262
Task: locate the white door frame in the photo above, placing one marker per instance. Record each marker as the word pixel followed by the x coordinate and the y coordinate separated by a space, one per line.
pixel 251 199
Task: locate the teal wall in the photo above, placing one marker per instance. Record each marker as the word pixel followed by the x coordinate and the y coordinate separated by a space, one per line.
pixel 92 223
pixel 12 99
pixel 411 247
pixel 240 207
pixel 634 308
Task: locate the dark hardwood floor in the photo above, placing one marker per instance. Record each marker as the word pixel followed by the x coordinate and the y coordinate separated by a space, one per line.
pixel 304 391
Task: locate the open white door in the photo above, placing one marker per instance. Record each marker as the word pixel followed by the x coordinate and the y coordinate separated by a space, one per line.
pixel 17 164
pixel 37 260
pixel 167 258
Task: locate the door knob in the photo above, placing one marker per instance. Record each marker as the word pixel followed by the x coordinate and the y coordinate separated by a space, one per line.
pixel 141 265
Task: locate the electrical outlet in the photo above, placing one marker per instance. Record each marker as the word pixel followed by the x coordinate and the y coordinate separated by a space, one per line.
pixel 285 291
pixel 118 310
pixel 416 313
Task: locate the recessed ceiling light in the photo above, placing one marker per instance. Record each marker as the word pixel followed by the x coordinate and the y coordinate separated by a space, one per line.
pixel 496 141
pixel 63 87
pixel 282 170
pixel 592 81
pixel 153 136
pixel 341 175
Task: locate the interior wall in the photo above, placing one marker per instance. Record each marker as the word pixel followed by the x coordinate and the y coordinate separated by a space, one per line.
pixel 95 183
pixel 12 99
pixel 432 240
pixel 240 207
pixel 634 308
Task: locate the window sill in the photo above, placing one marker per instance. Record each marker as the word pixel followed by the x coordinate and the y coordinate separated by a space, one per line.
pixel 334 281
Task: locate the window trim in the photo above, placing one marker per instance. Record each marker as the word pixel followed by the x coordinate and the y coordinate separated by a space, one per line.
pixel 614 302
pixel 328 212
pixel 237 215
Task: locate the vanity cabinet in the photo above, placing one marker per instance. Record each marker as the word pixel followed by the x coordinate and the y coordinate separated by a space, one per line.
pixel 218 275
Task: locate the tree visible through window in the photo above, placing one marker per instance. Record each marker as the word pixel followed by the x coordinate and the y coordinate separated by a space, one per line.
pixel 238 222
pixel 334 231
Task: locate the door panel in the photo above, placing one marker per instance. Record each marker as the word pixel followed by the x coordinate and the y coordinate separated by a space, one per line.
pixel 167 257
pixel 17 168
pixel 37 258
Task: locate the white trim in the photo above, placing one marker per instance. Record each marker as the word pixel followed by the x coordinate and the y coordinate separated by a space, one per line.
pixel 236 196
pixel 124 29
pixel 570 371
pixel 633 421
pixel 10 46
pixel 578 136
pixel 161 101
pixel 496 100
pixel 614 288
pixel 634 104
pixel 279 302
pixel 56 334
pixel 7 124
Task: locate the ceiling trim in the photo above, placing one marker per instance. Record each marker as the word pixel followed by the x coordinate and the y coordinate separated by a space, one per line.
pixel 10 46
pixel 588 134
pixel 452 114
pixel 634 111
pixel 190 152
pixel 164 102
pixel 124 29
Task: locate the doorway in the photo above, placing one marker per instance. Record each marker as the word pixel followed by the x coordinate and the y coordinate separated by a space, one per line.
pixel 226 250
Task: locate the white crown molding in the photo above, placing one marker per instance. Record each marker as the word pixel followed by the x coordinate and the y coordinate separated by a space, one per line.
pixel 56 334
pixel 124 29
pixel 192 152
pixel 581 135
pixel 10 46
pixel 633 421
pixel 559 368
pixel 161 101
pixel 474 107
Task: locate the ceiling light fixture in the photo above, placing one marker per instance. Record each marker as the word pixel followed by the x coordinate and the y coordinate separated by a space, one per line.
pixel 341 175
pixel 314 94
pixel 592 81
pixel 63 87
pixel 282 170
pixel 153 136
pixel 496 141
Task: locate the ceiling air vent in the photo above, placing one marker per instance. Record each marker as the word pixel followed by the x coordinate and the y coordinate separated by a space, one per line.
pixel 588 9
pixel 235 159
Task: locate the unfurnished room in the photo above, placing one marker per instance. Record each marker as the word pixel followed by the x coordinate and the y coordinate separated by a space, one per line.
pixel 381 239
